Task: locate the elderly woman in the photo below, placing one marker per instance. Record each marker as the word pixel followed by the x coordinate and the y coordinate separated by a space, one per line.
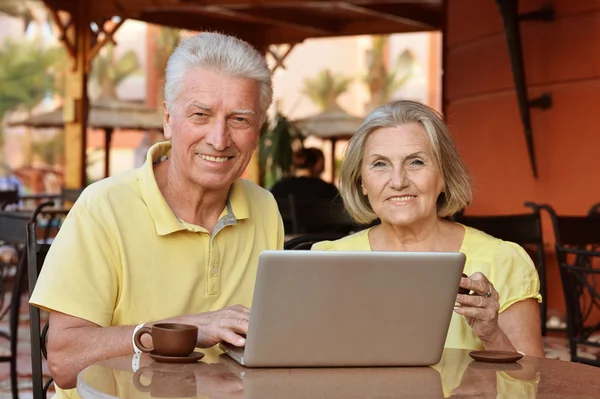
pixel 402 167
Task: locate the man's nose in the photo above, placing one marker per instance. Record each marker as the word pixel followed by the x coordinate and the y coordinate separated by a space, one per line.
pixel 218 135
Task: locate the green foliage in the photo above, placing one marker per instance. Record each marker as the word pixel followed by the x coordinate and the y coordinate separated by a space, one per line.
pixel 325 88
pixel 27 73
pixel 276 149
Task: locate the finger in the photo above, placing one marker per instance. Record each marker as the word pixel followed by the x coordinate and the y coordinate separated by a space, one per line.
pixel 240 308
pixel 481 287
pixel 475 313
pixel 236 324
pixel 474 300
pixel 232 338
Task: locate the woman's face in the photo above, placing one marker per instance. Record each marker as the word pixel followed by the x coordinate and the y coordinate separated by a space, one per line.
pixel 400 175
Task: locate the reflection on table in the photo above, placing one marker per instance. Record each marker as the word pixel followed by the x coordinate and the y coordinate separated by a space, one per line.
pixel 457 375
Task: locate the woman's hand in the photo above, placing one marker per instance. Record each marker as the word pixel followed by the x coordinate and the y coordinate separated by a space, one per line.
pixel 481 309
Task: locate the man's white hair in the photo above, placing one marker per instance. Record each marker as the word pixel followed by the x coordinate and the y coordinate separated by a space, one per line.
pixel 220 53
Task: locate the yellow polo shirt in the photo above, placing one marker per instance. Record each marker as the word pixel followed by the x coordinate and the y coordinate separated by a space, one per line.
pixel 504 263
pixel 122 257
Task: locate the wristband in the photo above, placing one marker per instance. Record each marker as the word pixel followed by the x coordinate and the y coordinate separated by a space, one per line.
pixel 135 348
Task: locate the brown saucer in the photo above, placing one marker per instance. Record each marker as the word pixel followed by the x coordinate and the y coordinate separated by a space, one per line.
pixel 495 356
pixel 191 358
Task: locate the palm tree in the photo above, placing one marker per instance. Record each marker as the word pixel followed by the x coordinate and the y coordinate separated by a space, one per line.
pixel 27 75
pixel 384 82
pixel 107 73
pixel 324 89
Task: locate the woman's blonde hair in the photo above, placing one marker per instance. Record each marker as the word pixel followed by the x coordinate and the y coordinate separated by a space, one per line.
pixel 457 193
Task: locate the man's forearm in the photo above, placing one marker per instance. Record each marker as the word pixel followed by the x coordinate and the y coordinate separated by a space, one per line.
pixel 71 350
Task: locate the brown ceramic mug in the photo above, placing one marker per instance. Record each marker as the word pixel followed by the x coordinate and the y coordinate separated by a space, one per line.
pixel 169 339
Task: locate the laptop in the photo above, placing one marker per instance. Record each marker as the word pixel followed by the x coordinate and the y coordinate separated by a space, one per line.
pixel 350 309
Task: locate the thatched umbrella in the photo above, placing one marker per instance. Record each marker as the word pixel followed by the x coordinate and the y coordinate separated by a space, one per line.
pixel 105 113
pixel 333 124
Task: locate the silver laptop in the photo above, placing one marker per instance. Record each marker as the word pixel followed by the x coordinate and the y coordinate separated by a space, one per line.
pixel 337 308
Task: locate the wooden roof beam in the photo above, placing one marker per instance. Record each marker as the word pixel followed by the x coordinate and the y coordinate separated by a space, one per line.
pixel 251 33
pixel 256 18
pixel 291 17
pixel 404 14
pixel 375 27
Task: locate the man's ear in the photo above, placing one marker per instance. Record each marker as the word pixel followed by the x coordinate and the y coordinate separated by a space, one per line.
pixel 166 120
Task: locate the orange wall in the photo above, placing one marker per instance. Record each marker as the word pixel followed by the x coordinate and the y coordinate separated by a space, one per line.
pixel 561 57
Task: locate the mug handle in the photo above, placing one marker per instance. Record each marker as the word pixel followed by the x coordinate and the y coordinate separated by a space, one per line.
pixel 136 379
pixel 138 341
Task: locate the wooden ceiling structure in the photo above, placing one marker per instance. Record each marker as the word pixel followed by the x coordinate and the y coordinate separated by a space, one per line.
pixel 86 25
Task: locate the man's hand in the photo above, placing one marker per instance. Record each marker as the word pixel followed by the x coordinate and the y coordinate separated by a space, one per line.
pixel 225 325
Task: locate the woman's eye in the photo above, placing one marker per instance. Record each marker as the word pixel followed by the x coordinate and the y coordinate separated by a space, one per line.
pixel 378 164
pixel 199 114
pixel 417 162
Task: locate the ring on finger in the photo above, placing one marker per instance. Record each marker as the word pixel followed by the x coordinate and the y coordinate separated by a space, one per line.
pixel 489 293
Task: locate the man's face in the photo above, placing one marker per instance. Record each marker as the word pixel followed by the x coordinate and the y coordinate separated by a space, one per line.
pixel 214 127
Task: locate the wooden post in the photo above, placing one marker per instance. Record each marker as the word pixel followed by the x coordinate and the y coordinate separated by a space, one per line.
pixel 253 170
pixel 76 102
pixel 107 139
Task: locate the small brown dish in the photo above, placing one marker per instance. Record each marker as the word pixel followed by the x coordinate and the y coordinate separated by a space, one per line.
pixel 191 358
pixel 495 356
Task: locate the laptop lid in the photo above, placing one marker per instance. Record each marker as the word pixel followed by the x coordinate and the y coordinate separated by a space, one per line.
pixel 337 308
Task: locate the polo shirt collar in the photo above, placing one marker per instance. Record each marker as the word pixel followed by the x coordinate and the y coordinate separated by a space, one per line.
pixel 165 221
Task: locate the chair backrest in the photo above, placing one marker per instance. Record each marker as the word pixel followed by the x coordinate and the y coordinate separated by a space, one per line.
pixel 36 254
pixel 12 233
pixel 13 227
pixel 8 197
pixel 579 272
pixel 575 231
pixel 305 242
pixel 70 194
pixel 524 229
pixel 316 216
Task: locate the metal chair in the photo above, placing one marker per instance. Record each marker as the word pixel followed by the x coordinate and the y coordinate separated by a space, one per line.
pixel 37 251
pixel 524 229
pixel 12 232
pixel 305 242
pixel 578 255
pixel 8 198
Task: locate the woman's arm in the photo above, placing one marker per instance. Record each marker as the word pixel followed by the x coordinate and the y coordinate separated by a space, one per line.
pixel 521 324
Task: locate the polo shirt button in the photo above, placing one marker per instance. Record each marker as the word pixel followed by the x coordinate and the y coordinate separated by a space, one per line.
pixel 213 270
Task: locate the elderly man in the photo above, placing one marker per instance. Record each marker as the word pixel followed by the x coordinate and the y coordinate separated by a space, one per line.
pixel 177 239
